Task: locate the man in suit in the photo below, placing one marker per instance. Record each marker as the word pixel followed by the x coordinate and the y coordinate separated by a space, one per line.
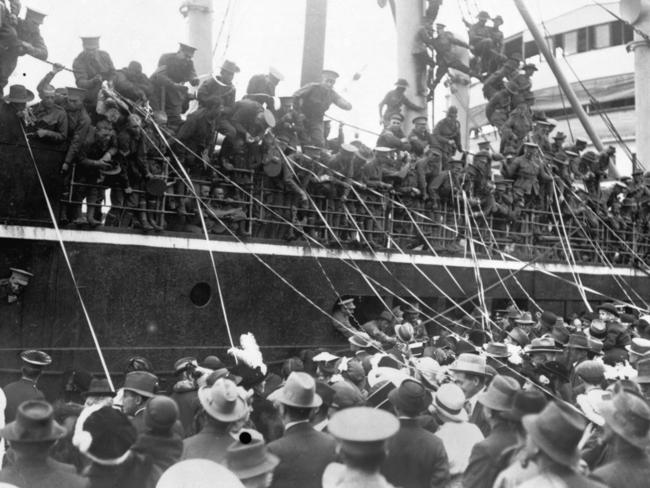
pixel 25 388
pixel 416 457
pixel 469 374
pixel 497 402
pixel 303 451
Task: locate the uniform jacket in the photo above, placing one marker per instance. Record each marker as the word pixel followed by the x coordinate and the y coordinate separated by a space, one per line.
pixel 482 468
pixel 172 69
pixel 86 66
pixel 32 34
pixel 394 100
pixel 217 89
pixel 78 127
pixel 416 458
pixel 631 470
pixel 261 89
pixel 132 85
pixel 304 454
pixel 18 392
pixel 527 173
pixel 446 130
pixel 48 474
pixel 316 99
pixel 54 120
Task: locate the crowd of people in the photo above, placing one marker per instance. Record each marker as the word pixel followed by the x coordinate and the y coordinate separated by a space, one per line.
pixel 526 401
pixel 132 134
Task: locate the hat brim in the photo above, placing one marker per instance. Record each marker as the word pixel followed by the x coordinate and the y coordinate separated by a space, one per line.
pixel 139 392
pixel 547 445
pixel 461 416
pixel 269 464
pixel 488 401
pixel 9 433
pixel 237 414
pixel 468 369
pixel 10 99
pixel 608 412
pixel 316 402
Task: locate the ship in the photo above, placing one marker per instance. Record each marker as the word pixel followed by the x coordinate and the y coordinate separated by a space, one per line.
pixel 164 295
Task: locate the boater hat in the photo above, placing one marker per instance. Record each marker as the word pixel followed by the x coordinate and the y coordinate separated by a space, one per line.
pixel 496 350
pixel 36 358
pixel 449 402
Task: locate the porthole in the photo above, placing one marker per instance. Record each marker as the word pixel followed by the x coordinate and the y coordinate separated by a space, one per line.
pixel 200 294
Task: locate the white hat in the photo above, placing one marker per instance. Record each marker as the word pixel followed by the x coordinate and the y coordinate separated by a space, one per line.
pixel 449 402
pixel 276 73
pixel 324 357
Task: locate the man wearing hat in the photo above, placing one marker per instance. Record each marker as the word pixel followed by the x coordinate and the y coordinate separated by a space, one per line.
pixel 558 143
pixel 13 287
pixel 304 452
pixel 343 316
pixel 362 435
pixel 416 457
pixel 32 434
pixel 444 45
pixel 99 392
pixel 393 135
pixel 419 137
pixel 446 135
pixel 91 68
pixel 185 392
pixel 528 172
pixel 25 388
pixel 394 100
pixel 12 113
pixel 618 337
pixel 252 463
pixel 313 100
pixel 422 55
pixel 480 41
pixel 261 87
pixel 469 373
pixel 220 88
pixel 498 402
pixel 51 120
pixel 170 94
pixel 499 105
pixel 139 387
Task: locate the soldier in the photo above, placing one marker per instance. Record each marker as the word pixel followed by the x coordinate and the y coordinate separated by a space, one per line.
pixel 393 136
pixel 170 94
pixel 447 184
pixel 195 136
pixel 443 45
pixel 481 43
pixel 557 146
pixel 446 135
pixel 637 189
pixel 523 80
pixel 427 169
pixel 91 68
pixel 25 388
pixel 478 174
pixel 132 83
pixel 394 100
pixel 422 46
pixel 517 127
pixel 25 38
pixel 419 138
pixel 540 136
pixel 343 318
pixel 13 287
pixel 578 146
pixel 261 88
pixel 498 107
pixel 249 120
pixel 220 88
pixel 313 100
pixel 528 172
pixel 51 121
pixel 507 71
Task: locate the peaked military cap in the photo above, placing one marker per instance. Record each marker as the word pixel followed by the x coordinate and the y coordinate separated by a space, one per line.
pixel 35 15
pixel 330 73
pixel 186 47
pixel 420 118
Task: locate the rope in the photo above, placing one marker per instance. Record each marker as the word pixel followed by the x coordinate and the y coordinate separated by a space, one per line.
pixel 67 259
pixel 636 29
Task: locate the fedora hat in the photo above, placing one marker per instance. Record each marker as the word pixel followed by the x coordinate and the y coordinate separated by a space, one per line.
pixel 525 318
pixel 143 383
pixel 449 402
pixel 251 459
pixel 643 369
pixel 98 387
pixel 578 341
pixel 496 350
pixel 404 332
pixel 222 401
pixel 541 344
pixel 300 391
pixel 629 416
pixel 18 94
pixel 411 397
pixel 500 394
pixel 557 430
pixel 469 363
pixel 34 423
pixel 519 336
pixel 548 318
pixel 527 402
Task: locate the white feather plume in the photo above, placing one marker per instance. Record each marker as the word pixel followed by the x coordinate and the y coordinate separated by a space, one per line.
pixel 249 353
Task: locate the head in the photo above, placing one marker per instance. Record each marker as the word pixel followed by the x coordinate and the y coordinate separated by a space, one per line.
pixel 90 44
pixel 75 101
pixel 219 192
pixel 577 354
pixel 347 307
pixel 226 75
pixel 470 383
pixel 452 113
pixel 31 372
pixel 104 130
pixel 132 402
pixel 329 78
pixel 420 125
pixel 185 52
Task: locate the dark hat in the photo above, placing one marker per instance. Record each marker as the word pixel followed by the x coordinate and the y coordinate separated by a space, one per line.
pixel 222 400
pixel 578 341
pixel 629 416
pixel 411 397
pixel 186 47
pixel 530 66
pixel 595 345
pixel 559 135
pixel 143 383
pixel 36 358
pixel 212 362
pixel 363 429
pixel 74 92
pixel 637 171
pixel 541 344
pixel 516 56
pixel 592 372
pixel 452 109
pixel 527 402
pixel 519 336
pixel 500 394
pixel 330 73
pixel 35 15
pixel 34 423
pixel 483 15
pixel 463 347
pixel 300 391
pixel 161 413
pixel 598 329
pixel 90 42
pixel 402 82
pixel 560 335
pixel 230 66
pixel 104 435
pixel 496 350
pixel 346 396
pixel 251 459
pixel 627 318
pixel 326 392
pixel 643 369
pixel 548 318
pixel 139 363
pixel 557 430
pixel 484 143
pixel 589 156
pixel 420 118
pixel 99 387
pixel 526 318
pixel 183 363
pixel 608 307
pixel 18 94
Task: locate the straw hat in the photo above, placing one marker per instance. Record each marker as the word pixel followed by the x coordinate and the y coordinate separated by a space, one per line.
pixel 449 401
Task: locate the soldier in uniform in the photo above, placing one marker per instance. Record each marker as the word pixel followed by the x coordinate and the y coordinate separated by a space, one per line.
pixel 261 88
pixel 443 45
pixel 169 91
pixel 132 83
pixel 51 121
pixel 481 43
pixel 11 288
pixel 557 146
pixel 427 169
pixel 498 107
pixel 478 174
pixel 424 63
pixel 517 127
pixel 25 39
pixel 343 318
pixel 26 387
pixel 394 100
pixel 419 137
pixel 446 135
pixel 91 68
pixel 313 100
pixel 523 80
pixel 447 184
pixel 528 172
pixel 540 136
pixel 393 136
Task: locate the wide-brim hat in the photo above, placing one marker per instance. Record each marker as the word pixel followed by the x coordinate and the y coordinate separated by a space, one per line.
pixel 500 394
pixel 527 402
pixel 98 387
pixel 230 66
pixel 251 459
pixel 557 430
pixel 186 47
pixel 114 170
pixel 300 391
pixel 496 350
pixel 36 358
pixel 382 374
pixel 578 341
pixel 363 340
pixel 541 344
pixel 590 404
pixel 469 363
pixel 411 397
pixel 525 319
pixel 449 401
pixel 629 416
pixel 222 401
pixel 18 94
pixel 143 383
pixel 519 336
pixel 34 423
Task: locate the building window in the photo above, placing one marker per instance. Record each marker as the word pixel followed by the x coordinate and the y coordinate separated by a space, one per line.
pixel 570 42
pixel 530 49
pixel 583 40
pixel 628 33
pixel 600 36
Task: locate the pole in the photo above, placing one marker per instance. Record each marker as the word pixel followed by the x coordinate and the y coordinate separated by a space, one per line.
pixel 562 81
pixel 637 13
pixel 198 22
pixel 313 51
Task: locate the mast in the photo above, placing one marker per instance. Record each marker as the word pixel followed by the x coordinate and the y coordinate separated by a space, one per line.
pixel 637 13
pixel 562 81
pixel 198 23
pixel 313 51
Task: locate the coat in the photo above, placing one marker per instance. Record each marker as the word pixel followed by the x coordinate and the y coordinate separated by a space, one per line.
pixel 304 454
pixel 207 444
pixel 132 473
pixel 158 452
pixel 186 397
pixel 87 65
pixel 416 458
pixel 629 471
pixel 482 468
pixel 340 476
pixel 49 474
pixel 566 479
pixel 18 392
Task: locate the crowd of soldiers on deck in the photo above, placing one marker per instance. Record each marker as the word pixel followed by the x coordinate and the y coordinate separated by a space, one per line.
pixel 513 400
pixel 133 134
